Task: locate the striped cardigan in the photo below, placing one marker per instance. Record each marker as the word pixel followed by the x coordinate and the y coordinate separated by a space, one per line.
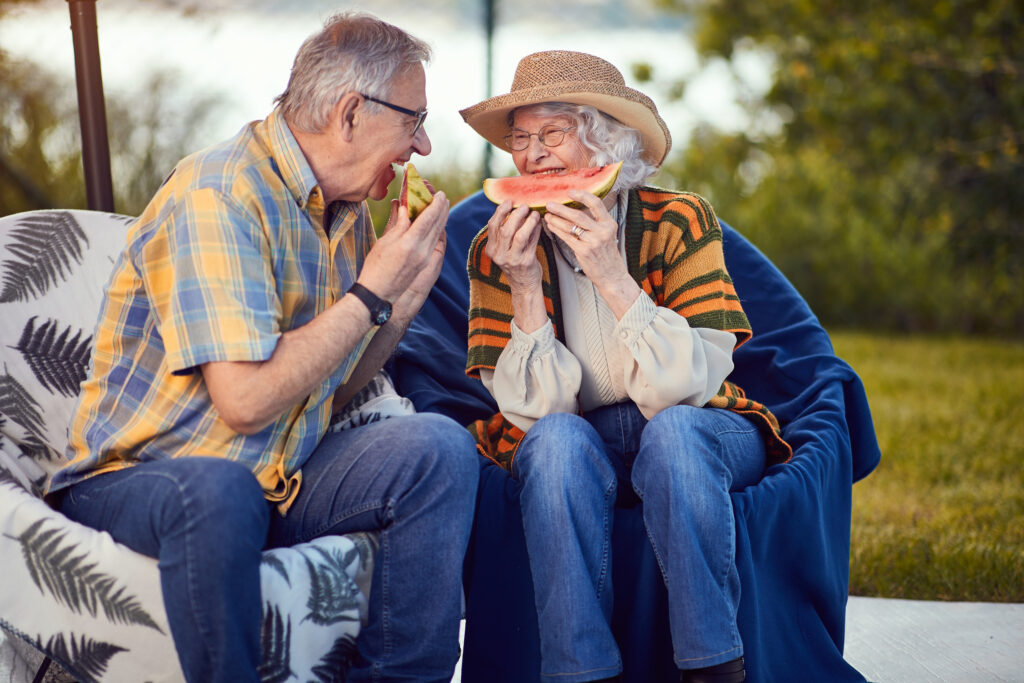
pixel 674 252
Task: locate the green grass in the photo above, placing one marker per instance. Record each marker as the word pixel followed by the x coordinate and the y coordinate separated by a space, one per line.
pixel 942 517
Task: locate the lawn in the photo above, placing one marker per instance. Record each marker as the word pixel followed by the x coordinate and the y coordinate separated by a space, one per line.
pixel 942 517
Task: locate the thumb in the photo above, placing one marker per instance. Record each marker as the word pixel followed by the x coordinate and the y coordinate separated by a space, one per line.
pixel 392 217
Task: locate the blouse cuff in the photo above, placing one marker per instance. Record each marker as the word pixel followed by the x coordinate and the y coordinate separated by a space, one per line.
pixel 537 343
pixel 636 319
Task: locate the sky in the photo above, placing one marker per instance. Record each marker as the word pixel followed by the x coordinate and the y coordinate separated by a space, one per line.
pixel 242 50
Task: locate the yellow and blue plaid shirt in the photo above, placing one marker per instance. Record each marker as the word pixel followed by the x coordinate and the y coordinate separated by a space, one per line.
pixel 231 253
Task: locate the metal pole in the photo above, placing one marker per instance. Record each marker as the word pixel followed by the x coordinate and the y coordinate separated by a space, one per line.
pixel 489 31
pixel 92 113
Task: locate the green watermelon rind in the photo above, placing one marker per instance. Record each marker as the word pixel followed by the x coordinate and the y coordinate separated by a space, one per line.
pixel 536 191
pixel 415 195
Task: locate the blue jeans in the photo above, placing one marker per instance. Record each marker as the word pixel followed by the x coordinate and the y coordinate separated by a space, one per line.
pixel 682 464
pixel 412 479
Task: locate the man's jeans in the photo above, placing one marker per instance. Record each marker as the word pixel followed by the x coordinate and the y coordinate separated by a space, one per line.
pixel 413 479
pixel 682 464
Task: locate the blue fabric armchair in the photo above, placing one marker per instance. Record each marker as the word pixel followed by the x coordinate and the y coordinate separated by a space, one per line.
pixel 793 528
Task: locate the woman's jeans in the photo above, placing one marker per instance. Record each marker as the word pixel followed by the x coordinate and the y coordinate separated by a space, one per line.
pixel 682 464
pixel 412 479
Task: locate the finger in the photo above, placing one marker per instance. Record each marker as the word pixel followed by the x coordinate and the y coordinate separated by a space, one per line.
pixel 564 217
pixel 398 221
pixel 500 214
pixel 591 201
pixel 511 225
pixel 527 235
pixel 433 217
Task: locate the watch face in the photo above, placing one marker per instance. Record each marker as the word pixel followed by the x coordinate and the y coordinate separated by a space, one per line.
pixel 382 315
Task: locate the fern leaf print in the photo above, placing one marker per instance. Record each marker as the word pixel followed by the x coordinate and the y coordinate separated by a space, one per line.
pixel 276 644
pixel 275 563
pixel 333 596
pixel 7 477
pixel 58 362
pixel 33 447
pixel 332 666
pixel 55 569
pixel 85 656
pixel 19 406
pixel 44 248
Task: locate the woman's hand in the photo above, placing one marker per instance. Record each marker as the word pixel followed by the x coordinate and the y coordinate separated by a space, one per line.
pixel 512 246
pixel 592 234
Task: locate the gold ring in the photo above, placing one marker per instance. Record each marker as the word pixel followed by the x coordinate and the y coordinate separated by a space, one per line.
pixel 576 231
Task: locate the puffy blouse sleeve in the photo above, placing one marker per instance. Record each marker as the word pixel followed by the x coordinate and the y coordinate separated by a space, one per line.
pixel 535 375
pixel 671 362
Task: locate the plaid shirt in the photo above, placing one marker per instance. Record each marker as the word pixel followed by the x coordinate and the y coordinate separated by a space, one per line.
pixel 230 254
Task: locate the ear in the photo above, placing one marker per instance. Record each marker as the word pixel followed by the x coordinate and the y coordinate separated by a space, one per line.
pixel 347 114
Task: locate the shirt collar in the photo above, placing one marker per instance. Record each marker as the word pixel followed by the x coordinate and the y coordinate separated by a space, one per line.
pixel 293 167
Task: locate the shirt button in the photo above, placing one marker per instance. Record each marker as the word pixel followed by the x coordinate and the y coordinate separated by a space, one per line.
pixel 624 334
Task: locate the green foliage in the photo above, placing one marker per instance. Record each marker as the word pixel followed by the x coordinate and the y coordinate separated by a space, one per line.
pixel 883 169
pixel 40 140
pixel 942 518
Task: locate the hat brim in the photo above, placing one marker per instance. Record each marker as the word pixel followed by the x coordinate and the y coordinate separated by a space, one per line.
pixel 630 107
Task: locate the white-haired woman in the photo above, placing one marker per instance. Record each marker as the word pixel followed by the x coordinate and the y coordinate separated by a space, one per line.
pixel 605 334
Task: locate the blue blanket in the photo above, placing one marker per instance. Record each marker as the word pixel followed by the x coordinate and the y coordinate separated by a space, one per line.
pixel 793 528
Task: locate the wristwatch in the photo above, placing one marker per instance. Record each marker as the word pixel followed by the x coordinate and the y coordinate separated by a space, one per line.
pixel 380 310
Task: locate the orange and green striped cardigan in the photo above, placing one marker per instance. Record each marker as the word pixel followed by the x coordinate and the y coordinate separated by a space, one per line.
pixel 674 252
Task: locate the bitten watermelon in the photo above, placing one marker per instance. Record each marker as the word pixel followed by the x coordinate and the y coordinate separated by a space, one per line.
pixel 415 194
pixel 537 190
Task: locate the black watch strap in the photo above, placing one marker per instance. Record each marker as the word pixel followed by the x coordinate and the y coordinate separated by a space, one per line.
pixel 380 310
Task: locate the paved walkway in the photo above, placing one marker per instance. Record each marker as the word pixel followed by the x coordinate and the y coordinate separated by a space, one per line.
pixel 916 641
pixel 889 641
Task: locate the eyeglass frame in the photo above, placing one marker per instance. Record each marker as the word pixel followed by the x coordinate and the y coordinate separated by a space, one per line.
pixel 420 116
pixel 507 139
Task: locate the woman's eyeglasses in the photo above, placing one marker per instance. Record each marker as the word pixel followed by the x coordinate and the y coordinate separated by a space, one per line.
pixel 549 136
pixel 420 116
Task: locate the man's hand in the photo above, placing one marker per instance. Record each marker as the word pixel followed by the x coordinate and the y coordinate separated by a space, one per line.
pixel 408 255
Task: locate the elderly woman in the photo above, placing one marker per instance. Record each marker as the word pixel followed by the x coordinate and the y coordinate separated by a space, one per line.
pixel 605 333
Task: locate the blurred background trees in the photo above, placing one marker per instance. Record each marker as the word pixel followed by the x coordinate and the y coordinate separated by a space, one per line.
pixel 150 128
pixel 883 171
pixel 882 168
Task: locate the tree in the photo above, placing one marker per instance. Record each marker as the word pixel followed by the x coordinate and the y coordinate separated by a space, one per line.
pixel 40 139
pixel 889 187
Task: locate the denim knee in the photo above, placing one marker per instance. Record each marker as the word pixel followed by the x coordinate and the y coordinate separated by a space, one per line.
pixel 562 450
pixel 702 448
pixel 442 446
pixel 225 498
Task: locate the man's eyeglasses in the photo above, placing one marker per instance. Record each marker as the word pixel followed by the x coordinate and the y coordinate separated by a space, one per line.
pixel 420 116
pixel 549 136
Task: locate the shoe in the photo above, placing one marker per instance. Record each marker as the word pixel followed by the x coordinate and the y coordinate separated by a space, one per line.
pixel 726 672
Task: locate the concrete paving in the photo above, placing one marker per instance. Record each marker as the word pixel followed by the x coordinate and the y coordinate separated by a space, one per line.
pixel 916 641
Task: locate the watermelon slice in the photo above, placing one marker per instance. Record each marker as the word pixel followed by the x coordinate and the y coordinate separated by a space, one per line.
pixel 537 190
pixel 415 194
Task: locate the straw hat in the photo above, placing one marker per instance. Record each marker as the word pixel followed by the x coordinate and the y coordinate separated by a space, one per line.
pixel 577 78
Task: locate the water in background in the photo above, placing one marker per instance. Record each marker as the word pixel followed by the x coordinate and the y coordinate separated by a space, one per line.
pixel 243 51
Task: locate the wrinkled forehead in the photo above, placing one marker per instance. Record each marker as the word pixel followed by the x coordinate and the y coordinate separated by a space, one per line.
pixel 537 116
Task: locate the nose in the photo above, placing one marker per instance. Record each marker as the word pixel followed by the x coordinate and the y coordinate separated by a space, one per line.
pixel 536 150
pixel 421 142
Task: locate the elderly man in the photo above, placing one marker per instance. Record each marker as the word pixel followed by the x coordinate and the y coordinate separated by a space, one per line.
pixel 251 303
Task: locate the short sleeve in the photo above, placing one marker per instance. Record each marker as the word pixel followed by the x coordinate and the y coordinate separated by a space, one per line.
pixel 207 271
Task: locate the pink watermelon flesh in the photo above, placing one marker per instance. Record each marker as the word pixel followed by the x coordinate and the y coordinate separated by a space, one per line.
pixel 537 190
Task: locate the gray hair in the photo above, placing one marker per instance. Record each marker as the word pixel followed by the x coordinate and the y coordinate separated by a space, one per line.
pixel 604 137
pixel 355 52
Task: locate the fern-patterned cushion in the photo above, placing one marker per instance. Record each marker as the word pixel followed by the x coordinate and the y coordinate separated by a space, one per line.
pixel 91 604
